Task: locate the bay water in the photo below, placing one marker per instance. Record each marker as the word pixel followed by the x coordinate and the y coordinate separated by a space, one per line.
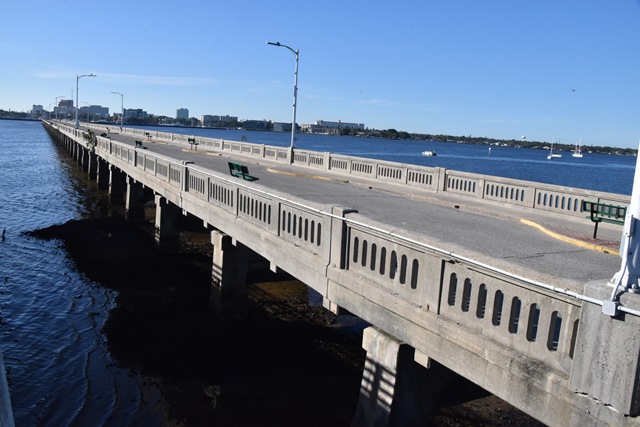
pixel 59 370
pixel 58 366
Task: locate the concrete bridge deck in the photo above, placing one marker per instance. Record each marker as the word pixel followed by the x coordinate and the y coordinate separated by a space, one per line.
pixel 503 294
pixel 566 254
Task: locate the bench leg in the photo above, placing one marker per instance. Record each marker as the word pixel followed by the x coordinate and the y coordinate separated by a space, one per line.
pixel 595 230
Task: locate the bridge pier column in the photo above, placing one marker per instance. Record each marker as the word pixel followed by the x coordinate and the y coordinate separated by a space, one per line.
pixel 77 156
pixel 168 217
pixel 117 185
pixel 134 201
pixel 229 277
pixel 103 174
pixel 93 165
pixel 396 390
pixel 84 159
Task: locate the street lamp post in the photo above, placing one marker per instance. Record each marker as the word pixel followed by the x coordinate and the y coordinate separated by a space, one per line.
pixel 296 53
pixel 77 79
pixel 121 106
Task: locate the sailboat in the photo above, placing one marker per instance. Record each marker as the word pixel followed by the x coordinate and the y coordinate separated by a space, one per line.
pixel 577 152
pixel 552 154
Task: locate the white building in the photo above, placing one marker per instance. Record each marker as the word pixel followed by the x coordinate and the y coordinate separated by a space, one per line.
pixel 324 126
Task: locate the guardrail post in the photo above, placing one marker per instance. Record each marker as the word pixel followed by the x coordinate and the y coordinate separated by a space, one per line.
pixel 606 364
pixel 339 248
pixel 440 178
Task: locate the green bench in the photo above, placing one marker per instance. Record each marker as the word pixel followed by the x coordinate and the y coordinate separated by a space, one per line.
pixel 192 142
pixel 238 170
pixel 139 144
pixel 604 212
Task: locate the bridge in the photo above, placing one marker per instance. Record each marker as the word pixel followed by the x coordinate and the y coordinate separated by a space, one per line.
pixel 482 276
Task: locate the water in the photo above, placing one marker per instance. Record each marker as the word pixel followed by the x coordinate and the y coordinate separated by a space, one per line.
pixel 601 172
pixel 60 371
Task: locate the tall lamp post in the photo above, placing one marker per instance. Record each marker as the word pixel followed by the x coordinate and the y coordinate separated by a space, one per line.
pixel 296 53
pixel 77 79
pixel 121 106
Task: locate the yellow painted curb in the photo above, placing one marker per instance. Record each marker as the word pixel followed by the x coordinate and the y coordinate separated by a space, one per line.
pixel 304 175
pixel 209 153
pixel 570 240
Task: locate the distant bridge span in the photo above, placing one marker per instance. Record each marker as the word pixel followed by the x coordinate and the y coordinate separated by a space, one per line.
pixel 489 299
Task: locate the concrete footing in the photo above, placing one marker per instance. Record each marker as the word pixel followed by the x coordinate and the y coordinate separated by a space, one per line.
pixel 395 389
pixel 117 185
pixel 134 201
pixel 229 295
pixel 167 225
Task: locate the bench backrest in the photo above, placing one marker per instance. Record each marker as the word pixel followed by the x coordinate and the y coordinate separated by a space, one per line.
pixel 604 209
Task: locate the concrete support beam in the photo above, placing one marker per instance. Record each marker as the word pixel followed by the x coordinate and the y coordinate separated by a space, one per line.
pixel 396 390
pixel 606 365
pixel 229 277
pixel 134 201
pixel 167 227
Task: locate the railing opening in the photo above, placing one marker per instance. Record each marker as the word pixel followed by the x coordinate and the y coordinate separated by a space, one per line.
pixel 555 327
pixel 482 301
pixel 514 317
pixel 466 295
pixel 532 324
pixel 497 308
pixel 453 284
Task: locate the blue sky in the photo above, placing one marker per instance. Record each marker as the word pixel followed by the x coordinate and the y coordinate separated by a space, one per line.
pixel 543 69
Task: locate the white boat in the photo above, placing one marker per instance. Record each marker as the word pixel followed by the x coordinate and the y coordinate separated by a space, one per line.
pixel 577 152
pixel 429 153
pixel 552 154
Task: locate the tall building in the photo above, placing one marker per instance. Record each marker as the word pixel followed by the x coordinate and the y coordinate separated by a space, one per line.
pixel 136 113
pixel 37 112
pixel 64 109
pixel 182 113
pixel 97 111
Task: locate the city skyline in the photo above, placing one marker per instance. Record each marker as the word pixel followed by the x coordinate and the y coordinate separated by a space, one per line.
pixel 545 70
